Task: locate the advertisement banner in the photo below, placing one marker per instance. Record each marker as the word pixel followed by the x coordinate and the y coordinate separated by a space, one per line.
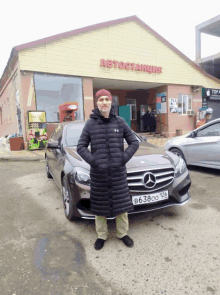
pixel 37 130
pixel 37 116
pixel 161 103
pixel 173 105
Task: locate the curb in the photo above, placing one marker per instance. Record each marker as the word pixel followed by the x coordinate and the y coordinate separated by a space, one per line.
pixel 17 159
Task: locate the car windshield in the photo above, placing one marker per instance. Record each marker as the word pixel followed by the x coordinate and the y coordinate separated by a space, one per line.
pixel 73 134
pixel 74 131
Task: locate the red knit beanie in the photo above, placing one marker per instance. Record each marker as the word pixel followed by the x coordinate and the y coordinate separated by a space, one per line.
pixel 102 92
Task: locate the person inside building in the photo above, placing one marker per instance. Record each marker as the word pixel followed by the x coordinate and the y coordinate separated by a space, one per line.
pixel 109 195
pixel 146 121
pixel 68 117
pixel 153 121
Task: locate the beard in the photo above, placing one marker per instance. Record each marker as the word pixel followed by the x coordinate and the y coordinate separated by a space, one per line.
pixel 105 110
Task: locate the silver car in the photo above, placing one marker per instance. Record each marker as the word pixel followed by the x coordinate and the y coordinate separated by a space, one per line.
pixel 200 147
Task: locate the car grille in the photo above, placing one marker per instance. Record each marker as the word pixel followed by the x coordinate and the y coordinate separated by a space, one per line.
pixel 164 177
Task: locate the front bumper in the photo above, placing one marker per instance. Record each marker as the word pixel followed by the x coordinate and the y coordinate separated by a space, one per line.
pixel 178 195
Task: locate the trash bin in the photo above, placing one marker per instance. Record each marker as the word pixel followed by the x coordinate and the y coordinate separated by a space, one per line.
pixel 179 132
pixel 16 143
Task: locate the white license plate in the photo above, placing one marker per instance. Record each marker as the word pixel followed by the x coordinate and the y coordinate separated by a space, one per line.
pixel 150 198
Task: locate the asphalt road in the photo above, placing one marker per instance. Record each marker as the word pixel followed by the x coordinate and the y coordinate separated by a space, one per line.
pixel 176 250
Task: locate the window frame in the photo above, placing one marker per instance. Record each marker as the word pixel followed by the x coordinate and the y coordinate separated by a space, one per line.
pixel 189 97
pixel 134 105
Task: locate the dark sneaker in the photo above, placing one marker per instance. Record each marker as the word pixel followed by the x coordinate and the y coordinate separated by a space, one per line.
pixel 127 241
pixel 99 244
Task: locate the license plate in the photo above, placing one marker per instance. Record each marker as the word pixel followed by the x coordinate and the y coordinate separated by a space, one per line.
pixel 150 198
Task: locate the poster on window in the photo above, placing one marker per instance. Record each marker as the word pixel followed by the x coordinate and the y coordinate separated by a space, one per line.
pixel 173 105
pixel 161 103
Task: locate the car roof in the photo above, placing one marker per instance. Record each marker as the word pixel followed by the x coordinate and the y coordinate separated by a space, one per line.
pixel 73 122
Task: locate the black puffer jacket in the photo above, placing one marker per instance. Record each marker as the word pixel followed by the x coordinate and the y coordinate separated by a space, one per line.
pixel 109 189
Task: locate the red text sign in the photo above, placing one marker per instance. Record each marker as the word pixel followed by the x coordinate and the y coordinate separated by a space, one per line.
pixel 129 66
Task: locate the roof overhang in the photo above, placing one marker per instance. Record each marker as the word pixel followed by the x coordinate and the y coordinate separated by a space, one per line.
pixel 210 27
pixel 112 84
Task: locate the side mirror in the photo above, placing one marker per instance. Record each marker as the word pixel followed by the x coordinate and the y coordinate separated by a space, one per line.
pixel 53 145
pixel 193 134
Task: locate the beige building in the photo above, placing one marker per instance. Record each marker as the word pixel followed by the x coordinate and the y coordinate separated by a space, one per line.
pixel 140 68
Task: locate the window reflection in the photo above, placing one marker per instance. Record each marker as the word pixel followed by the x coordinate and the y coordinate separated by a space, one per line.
pixel 52 91
pixel 213 130
pixel 73 134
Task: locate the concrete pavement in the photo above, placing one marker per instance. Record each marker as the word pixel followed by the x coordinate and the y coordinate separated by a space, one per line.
pixel 37 155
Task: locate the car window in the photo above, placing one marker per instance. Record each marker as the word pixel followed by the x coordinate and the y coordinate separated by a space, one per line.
pixel 57 133
pixel 73 133
pixel 213 130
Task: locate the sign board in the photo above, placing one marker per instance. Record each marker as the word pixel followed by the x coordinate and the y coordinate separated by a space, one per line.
pixel 204 102
pixel 37 130
pixel 36 117
pixel 130 66
pixel 210 93
pixel 161 103
pixel 173 105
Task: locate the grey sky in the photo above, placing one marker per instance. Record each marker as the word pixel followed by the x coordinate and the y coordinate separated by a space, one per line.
pixel 24 21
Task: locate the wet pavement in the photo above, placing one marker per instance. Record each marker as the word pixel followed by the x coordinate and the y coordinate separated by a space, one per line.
pixel 176 250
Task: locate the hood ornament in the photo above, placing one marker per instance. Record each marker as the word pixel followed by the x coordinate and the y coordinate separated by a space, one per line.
pixel 149 180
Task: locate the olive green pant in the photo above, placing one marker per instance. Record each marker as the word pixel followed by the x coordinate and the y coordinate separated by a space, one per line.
pixel 122 226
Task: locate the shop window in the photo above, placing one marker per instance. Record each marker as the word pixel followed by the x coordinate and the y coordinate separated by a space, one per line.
pixel 184 104
pixel 52 91
pixel 133 108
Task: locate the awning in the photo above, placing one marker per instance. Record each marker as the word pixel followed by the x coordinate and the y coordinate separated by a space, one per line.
pixel 203 109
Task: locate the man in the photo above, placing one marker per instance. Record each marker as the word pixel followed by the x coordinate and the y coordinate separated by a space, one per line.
pixel 109 196
pixel 153 122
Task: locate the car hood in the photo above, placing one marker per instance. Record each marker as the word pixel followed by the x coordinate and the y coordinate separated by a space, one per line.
pixel 146 155
pixel 178 140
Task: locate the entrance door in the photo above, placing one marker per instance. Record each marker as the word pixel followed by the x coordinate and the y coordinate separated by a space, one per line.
pixel 124 112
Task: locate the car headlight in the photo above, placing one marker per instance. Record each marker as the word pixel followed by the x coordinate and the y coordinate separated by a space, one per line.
pixel 180 168
pixel 81 175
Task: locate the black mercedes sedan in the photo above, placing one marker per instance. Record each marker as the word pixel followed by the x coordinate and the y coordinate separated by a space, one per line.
pixel 156 178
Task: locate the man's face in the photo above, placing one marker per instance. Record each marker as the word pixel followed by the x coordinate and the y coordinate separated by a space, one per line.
pixel 104 104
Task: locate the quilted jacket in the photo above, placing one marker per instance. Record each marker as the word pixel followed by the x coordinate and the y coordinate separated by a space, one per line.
pixel 109 188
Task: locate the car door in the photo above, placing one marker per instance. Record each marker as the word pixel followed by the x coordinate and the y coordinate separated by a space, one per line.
pixel 57 155
pixel 50 152
pixel 204 149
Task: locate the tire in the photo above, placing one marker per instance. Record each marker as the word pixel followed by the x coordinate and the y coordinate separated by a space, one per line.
pixel 47 170
pixel 68 201
pixel 179 153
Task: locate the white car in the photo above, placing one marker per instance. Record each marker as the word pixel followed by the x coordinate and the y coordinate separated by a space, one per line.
pixel 200 147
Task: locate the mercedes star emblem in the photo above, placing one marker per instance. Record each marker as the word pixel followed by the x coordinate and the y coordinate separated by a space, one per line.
pixel 149 180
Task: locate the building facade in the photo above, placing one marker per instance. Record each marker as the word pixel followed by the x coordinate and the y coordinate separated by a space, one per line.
pixel 139 67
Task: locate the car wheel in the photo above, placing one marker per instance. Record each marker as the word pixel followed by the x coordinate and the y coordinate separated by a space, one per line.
pixel 178 153
pixel 47 170
pixel 68 201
